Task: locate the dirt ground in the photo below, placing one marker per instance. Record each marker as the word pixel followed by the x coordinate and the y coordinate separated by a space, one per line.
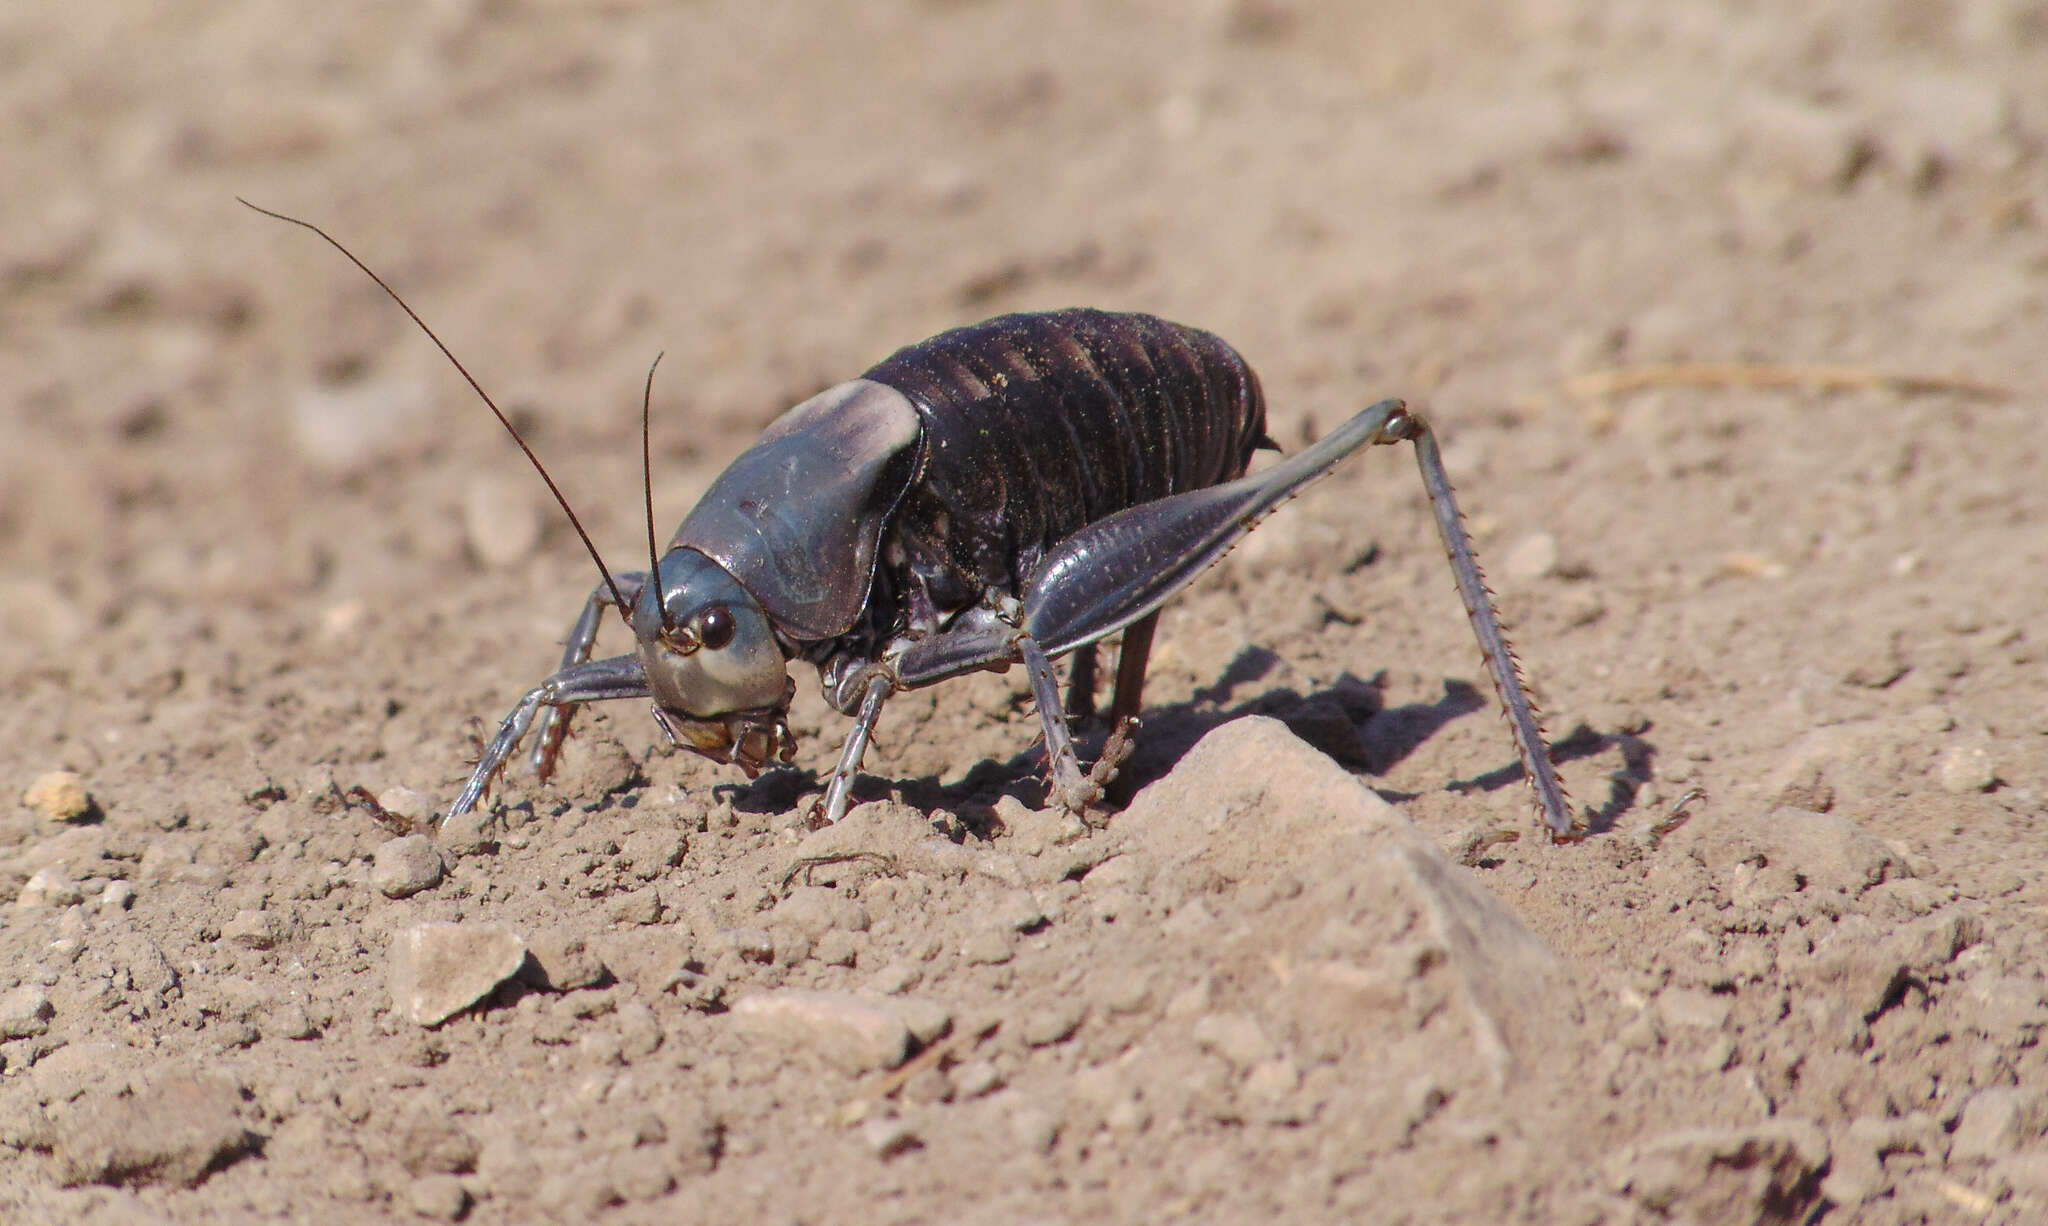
pixel 260 546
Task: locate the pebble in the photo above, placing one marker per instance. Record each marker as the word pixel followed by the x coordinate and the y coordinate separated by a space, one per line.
pixel 815 911
pixel 928 1020
pixel 440 1197
pixel 1998 1122
pixel 346 429
pixel 886 1137
pixel 49 887
pixel 1763 1172
pixel 403 867
pixel 118 895
pixel 1689 1008
pixel 437 970
pixel 849 1032
pixel 1055 1023
pixel 1532 557
pixel 501 519
pixel 25 1012
pixel 989 945
pixel 1966 769
pixel 408 802
pixel 1035 1129
pixel 253 930
pixel 564 962
pixel 1236 1037
pixel 976 1078
pixel 59 796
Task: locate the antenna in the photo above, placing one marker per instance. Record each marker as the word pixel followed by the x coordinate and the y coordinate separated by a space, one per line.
pixel 618 598
pixel 647 484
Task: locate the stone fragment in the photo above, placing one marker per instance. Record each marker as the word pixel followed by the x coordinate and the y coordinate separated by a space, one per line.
pixel 501 519
pixel 437 1145
pixel 564 962
pixel 1237 1037
pixel 888 1136
pixel 1532 557
pixel 50 886
pixel 253 929
pixel 438 970
pixel 402 867
pixel 1691 1009
pixel 1820 851
pixel 59 796
pixel 1966 769
pixel 814 912
pixel 440 1198
pixel 849 1032
pixel 1998 1122
pixel 25 1012
pixel 1053 1023
pixel 177 1129
pixel 991 944
pixel 117 896
pixel 1767 1172
pixel 928 1019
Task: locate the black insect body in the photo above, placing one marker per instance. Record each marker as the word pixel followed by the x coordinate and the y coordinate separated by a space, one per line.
pixel 1001 494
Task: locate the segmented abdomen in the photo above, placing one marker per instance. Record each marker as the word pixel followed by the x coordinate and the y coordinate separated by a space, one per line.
pixel 1038 424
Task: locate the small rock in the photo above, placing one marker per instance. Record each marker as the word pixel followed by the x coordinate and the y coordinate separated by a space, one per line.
pixel 438 970
pixel 403 867
pixel 1532 557
pixel 1765 1172
pixel 989 945
pixel 25 1012
pixel 887 1137
pixel 751 944
pixel 1998 1122
pixel 1966 769
pixel 563 962
pixel 976 1078
pixel 289 1020
pixel 440 1197
pixel 59 796
pixel 837 948
pixel 849 1032
pixel 49 887
pixel 253 930
pixel 641 906
pixel 408 803
pixel 1686 1008
pixel 1054 1023
pixel 649 853
pixel 1035 1129
pixel 501 519
pixel 1236 1037
pixel 176 1130
pixel 815 911
pixel 117 896
pixel 436 1145
pixel 928 1020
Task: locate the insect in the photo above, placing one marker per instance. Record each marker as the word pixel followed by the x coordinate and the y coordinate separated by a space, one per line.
pixel 1002 494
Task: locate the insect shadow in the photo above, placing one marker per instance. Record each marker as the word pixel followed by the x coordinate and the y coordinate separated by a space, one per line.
pixel 1346 718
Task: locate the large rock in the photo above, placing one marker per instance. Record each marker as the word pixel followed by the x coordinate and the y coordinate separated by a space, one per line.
pixel 175 1130
pixel 1368 926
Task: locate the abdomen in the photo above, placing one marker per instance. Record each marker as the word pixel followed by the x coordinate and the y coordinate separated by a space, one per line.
pixel 1038 424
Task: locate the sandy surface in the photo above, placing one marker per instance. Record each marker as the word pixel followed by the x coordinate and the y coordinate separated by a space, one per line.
pixel 259 546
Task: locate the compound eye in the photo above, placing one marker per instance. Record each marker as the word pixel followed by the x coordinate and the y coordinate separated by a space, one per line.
pixel 715 626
